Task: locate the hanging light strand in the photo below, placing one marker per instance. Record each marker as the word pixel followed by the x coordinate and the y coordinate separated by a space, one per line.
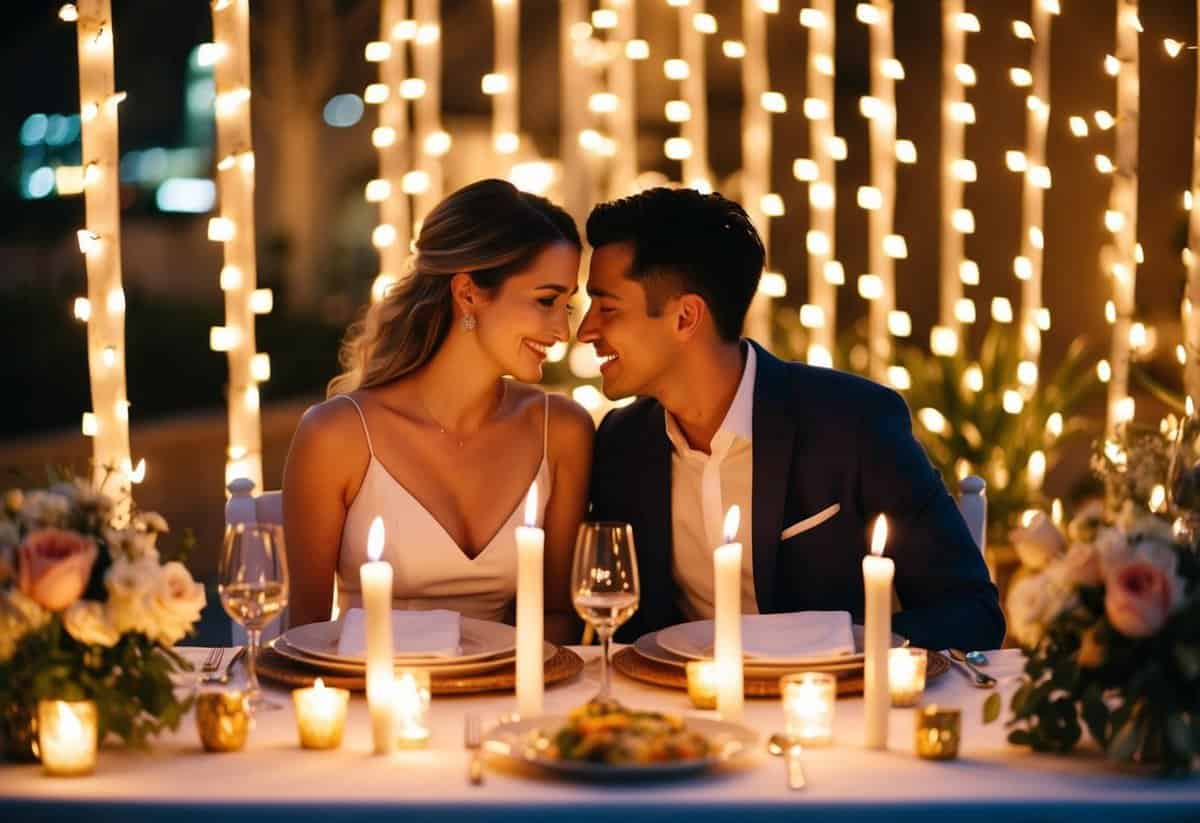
pixel 824 273
pixel 394 233
pixel 956 170
pixel 432 141
pixel 756 151
pixel 505 91
pixel 1190 352
pixel 622 85
pixel 694 129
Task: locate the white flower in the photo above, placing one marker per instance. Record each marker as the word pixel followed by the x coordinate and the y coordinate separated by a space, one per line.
pixel 1138 523
pixel 43 509
pixel 19 615
pixel 150 522
pixel 132 544
pixel 1086 522
pixel 88 622
pixel 130 584
pixel 175 603
pixel 1033 602
pixel 1039 542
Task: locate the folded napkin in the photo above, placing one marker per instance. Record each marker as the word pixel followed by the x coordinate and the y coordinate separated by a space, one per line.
pixel 797 634
pixel 434 633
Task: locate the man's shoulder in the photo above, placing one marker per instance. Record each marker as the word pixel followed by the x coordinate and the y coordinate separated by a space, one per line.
pixel 632 420
pixel 833 392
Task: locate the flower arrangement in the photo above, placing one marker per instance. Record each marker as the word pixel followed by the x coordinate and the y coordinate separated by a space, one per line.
pixel 89 610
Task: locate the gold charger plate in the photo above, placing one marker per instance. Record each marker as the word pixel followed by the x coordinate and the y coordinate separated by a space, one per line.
pixel 633 665
pixel 564 665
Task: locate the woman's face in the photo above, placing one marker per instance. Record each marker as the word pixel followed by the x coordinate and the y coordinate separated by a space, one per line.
pixel 528 313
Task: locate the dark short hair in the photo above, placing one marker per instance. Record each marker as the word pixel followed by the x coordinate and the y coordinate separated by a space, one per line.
pixel 692 242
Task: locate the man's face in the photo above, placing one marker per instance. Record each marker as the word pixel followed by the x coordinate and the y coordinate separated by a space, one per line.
pixel 637 349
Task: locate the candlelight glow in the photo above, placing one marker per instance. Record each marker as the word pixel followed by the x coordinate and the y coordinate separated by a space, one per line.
pixel 375 539
pixel 733 519
pixel 879 536
pixel 531 506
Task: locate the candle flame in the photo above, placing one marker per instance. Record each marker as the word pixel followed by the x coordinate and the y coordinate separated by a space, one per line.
pixel 319 684
pixel 69 726
pixel 531 505
pixel 375 539
pixel 879 536
pixel 733 519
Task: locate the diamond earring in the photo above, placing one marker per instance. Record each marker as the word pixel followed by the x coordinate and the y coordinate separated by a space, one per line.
pixel 469 322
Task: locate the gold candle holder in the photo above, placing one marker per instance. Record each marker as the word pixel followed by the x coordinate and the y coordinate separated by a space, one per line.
pixel 320 715
pixel 809 699
pixel 906 675
pixel 223 720
pixel 410 707
pixel 938 732
pixel 67 737
pixel 702 683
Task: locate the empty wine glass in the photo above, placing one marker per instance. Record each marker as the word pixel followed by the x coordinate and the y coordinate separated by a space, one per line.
pixel 604 584
pixel 253 582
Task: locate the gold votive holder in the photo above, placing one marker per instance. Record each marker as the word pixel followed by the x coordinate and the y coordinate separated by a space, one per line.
pixel 320 715
pixel 809 699
pixel 938 731
pixel 702 683
pixel 906 675
pixel 223 719
pixel 67 736
pixel 410 707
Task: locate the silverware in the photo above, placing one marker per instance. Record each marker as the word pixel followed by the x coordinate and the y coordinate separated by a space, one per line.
pixel 977 658
pixel 213 661
pixel 219 675
pixel 978 679
pixel 473 742
pixel 780 745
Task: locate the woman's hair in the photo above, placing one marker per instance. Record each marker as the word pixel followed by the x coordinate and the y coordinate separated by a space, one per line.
pixel 489 230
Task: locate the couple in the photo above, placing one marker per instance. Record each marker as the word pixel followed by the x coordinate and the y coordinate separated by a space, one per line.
pixel 436 425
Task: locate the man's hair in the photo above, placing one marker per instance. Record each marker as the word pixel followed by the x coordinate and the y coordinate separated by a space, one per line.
pixel 684 241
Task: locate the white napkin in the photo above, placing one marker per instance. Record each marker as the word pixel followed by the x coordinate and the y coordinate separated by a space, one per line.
pixel 797 634
pixel 433 633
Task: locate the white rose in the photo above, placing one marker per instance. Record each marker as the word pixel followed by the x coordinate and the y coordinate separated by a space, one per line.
pixel 129 584
pixel 175 603
pixel 133 545
pixel 1033 602
pixel 41 509
pixel 150 522
pixel 19 615
pixel 88 622
pixel 1039 542
pixel 1113 548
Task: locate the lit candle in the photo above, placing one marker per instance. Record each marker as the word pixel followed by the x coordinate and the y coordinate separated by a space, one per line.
pixel 530 629
pixel 375 577
pixel 727 623
pixel 878 572
pixel 223 719
pixel 320 715
pixel 67 737
pixel 906 675
pixel 702 683
pixel 808 702
pixel 410 706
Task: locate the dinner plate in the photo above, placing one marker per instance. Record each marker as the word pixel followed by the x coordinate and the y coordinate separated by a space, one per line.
pixel 452 669
pixel 694 642
pixel 647 646
pixel 524 741
pixel 480 640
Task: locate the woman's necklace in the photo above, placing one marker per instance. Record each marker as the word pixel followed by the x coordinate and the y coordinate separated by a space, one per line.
pixel 458 438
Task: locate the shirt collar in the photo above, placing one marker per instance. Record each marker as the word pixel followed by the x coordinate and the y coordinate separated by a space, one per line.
pixel 739 419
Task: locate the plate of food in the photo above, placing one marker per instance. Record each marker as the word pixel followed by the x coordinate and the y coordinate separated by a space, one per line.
pixel 603 740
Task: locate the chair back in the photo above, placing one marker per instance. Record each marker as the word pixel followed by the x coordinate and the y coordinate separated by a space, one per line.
pixel 972 503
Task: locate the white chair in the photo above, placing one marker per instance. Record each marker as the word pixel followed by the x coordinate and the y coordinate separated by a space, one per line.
pixel 972 503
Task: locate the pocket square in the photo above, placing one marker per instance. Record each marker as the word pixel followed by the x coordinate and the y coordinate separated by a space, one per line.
pixel 810 522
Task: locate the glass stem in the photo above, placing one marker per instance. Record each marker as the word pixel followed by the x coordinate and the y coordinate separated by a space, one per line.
pixel 605 674
pixel 253 636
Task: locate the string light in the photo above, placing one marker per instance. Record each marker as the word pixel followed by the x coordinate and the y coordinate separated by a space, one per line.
pixel 758 197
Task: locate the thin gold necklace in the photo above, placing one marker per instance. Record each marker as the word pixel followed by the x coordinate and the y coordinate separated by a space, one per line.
pixel 458 439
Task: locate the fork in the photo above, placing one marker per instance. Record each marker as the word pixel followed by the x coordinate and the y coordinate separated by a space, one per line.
pixel 473 742
pixel 213 662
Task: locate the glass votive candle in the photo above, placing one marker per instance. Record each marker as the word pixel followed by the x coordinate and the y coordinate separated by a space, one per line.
pixel 320 715
pixel 938 731
pixel 410 706
pixel 223 720
pixel 906 675
pixel 67 737
pixel 809 699
pixel 702 683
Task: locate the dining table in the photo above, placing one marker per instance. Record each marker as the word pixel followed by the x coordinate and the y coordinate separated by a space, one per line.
pixel 273 780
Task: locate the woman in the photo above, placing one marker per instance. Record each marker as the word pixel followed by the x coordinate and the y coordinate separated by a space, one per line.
pixel 424 429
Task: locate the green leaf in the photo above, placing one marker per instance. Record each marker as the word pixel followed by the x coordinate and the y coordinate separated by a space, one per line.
pixel 1095 715
pixel 1179 734
pixel 1125 741
pixel 991 707
pixel 1188 658
pixel 1020 737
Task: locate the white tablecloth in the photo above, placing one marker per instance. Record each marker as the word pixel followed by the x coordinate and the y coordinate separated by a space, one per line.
pixel 273 778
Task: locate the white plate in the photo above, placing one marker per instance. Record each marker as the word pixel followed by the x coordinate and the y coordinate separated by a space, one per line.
pixel 693 641
pixel 517 741
pixel 359 669
pixel 647 646
pixel 481 639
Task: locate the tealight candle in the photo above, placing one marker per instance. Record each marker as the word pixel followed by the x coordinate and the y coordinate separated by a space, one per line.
pixel 410 706
pixel 702 683
pixel 878 572
pixel 223 720
pixel 727 620
pixel 320 715
pixel 938 731
pixel 809 699
pixel 906 675
pixel 67 736
pixel 375 577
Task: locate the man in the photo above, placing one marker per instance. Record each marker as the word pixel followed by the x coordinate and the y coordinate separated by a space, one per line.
pixel 810 455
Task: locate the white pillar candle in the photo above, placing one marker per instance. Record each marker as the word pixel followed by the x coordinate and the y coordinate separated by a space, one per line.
pixel 878 572
pixel 727 625
pixel 530 628
pixel 376 580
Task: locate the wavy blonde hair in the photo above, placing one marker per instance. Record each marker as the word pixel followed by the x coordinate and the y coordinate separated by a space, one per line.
pixel 489 230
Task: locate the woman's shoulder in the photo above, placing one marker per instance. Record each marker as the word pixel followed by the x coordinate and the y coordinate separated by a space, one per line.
pixel 569 422
pixel 334 418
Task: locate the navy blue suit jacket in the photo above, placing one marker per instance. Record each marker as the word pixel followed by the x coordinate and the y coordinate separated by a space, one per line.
pixel 820 437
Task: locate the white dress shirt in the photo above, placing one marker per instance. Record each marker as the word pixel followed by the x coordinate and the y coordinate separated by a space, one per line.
pixel 703 487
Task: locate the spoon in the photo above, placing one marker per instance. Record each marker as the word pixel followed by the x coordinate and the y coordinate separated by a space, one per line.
pixel 977 678
pixel 977 658
pixel 781 744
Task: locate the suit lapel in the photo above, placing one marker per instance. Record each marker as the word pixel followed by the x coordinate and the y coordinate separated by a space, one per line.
pixel 773 450
pixel 655 543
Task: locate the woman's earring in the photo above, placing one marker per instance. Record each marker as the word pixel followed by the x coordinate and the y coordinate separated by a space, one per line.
pixel 469 322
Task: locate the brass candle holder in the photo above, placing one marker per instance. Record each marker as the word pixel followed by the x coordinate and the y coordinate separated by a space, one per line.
pixel 938 732
pixel 223 719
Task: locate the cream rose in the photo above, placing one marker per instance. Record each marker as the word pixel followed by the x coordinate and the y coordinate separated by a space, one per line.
pixel 175 603
pixel 1038 542
pixel 129 584
pixel 1080 566
pixel 1033 601
pixel 53 567
pixel 88 622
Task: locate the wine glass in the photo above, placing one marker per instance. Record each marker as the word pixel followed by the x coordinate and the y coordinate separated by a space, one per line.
pixel 253 582
pixel 604 584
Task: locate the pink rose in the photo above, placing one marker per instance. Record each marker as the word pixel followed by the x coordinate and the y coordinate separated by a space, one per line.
pixel 1138 598
pixel 54 566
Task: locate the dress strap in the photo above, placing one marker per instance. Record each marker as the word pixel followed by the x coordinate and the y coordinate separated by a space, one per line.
pixel 545 425
pixel 363 418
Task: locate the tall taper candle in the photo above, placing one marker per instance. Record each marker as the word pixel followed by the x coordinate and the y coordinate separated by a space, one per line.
pixel 727 623
pixel 375 577
pixel 878 572
pixel 530 627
